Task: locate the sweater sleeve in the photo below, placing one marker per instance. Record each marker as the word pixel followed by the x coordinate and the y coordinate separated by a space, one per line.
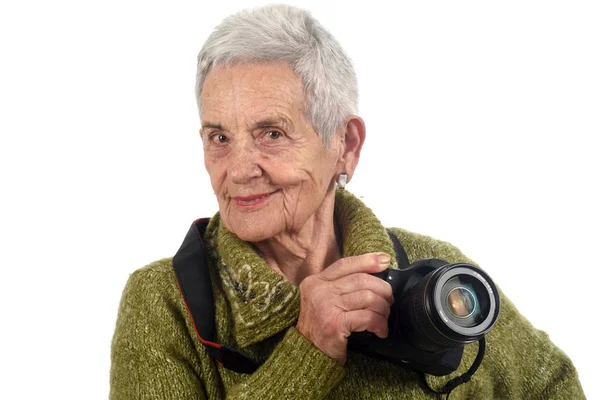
pixel 520 360
pixel 296 369
pixel 152 357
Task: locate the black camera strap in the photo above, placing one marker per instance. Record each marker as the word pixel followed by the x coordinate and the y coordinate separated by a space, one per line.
pixel 459 380
pixel 193 279
pixel 401 257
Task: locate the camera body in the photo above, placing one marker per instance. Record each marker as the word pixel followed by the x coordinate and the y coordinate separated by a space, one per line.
pixel 439 308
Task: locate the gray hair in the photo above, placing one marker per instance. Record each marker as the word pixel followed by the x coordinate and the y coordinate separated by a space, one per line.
pixel 284 33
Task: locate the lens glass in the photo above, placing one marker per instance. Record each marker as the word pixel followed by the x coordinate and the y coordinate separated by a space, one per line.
pixel 465 300
pixel 461 302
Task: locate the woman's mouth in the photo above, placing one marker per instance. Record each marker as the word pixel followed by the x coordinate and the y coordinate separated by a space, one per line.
pixel 252 201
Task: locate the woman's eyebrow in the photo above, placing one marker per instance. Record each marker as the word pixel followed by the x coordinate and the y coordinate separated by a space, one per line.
pixel 263 123
pixel 211 125
pixel 279 121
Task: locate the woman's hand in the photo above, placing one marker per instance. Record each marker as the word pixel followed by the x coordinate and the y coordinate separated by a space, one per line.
pixel 342 299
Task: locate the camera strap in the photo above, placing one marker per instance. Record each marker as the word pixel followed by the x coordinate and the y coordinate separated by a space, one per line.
pixel 195 286
pixel 459 380
pixel 401 257
pixel 193 279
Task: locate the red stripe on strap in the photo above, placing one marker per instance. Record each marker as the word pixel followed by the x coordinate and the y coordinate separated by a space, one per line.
pixel 206 342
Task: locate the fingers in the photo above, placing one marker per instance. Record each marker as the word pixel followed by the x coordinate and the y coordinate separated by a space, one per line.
pixel 361 281
pixel 365 299
pixel 368 263
pixel 342 299
pixel 365 320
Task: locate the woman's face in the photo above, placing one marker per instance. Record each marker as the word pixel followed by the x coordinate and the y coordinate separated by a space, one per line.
pixel 268 168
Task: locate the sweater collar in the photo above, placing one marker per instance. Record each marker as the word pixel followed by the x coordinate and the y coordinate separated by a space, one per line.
pixel 263 302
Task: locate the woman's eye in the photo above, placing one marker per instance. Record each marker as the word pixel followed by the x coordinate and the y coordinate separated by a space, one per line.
pixel 273 134
pixel 219 138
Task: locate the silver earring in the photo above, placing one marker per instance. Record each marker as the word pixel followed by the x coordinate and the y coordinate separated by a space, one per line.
pixel 343 178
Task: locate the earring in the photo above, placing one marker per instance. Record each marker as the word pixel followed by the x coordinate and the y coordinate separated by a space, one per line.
pixel 342 180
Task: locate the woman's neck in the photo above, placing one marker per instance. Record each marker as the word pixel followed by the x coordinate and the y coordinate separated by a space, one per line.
pixel 299 254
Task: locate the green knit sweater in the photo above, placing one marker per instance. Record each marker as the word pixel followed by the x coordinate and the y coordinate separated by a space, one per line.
pixel 157 355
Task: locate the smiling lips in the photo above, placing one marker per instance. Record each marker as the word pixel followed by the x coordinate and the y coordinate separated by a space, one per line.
pixel 252 201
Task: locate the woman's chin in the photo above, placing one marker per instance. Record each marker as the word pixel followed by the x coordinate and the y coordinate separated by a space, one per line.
pixel 253 228
pixel 253 232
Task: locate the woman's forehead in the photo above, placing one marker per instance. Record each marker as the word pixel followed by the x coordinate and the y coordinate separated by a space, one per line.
pixel 263 94
pixel 274 75
pixel 274 78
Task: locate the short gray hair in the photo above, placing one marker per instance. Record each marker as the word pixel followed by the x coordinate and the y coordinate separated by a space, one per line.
pixel 284 33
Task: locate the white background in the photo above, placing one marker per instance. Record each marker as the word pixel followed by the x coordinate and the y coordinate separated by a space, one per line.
pixel 482 124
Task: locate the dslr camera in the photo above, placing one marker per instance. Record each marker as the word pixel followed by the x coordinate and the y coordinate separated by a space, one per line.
pixel 439 308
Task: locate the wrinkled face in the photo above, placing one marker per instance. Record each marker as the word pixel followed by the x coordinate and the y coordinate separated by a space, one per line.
pixel 267 165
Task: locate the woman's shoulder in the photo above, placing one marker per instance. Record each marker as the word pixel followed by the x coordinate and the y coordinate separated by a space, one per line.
pixel 154 278
pixel 163 265
pixel 419 246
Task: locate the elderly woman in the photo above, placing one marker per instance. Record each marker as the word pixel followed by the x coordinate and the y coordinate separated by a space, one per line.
pixel 290 255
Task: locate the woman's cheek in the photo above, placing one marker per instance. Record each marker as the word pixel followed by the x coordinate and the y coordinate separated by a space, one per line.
pixel 218 175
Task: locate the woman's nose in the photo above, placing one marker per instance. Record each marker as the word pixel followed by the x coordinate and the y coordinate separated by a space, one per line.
pixel 244 159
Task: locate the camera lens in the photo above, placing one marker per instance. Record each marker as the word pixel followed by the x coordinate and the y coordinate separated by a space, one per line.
pixel 452 306
pixel 464 300
pixel 461 302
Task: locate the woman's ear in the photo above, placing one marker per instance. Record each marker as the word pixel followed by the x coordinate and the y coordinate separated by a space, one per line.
pixel 353 138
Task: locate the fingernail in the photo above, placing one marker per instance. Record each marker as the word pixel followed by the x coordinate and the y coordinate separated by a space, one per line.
pixel 384 259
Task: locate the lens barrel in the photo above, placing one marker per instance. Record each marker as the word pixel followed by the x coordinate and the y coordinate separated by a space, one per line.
pixel 452 306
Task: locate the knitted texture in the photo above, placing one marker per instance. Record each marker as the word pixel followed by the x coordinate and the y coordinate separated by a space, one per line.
pixel 156 354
